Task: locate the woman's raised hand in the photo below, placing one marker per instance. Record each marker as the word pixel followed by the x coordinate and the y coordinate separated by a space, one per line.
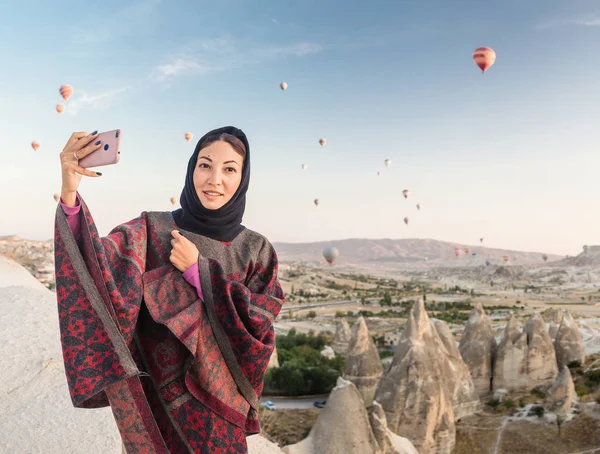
pixel 79 145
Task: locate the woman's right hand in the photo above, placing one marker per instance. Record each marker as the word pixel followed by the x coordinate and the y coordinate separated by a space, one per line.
pixel 79 145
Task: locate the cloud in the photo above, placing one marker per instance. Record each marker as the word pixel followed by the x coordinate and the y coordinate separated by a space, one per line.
pixel 589 23
pixel 137 18
pixel 83 100
pixel 224 53
pixel 590 20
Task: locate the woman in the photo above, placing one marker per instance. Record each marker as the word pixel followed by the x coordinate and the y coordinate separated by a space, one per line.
pixel 169 319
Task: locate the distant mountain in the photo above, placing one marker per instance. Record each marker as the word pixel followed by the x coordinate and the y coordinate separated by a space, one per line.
pixel 591 257
pixel 403 253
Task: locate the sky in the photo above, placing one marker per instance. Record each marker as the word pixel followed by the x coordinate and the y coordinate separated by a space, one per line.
pixel 510 155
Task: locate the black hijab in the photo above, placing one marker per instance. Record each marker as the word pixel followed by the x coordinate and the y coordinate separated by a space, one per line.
pixel 222 224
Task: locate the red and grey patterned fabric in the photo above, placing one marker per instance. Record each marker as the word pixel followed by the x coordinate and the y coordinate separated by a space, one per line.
pixel 180 374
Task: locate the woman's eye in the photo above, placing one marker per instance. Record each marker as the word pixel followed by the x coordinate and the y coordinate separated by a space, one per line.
pixel 231 169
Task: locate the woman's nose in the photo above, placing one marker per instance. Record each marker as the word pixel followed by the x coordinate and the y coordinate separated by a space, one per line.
pixel 215 177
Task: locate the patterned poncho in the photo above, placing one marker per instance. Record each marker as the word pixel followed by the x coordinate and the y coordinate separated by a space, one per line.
pixel 181 375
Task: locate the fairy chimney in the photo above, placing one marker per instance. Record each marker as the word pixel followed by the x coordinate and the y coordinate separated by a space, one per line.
pixel 362 365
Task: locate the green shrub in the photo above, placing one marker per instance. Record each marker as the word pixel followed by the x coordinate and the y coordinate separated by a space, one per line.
pixel 538 393
pixel 539 411
pixel 582 390
pixel 521 403
pixel 509 403
pixel 493 403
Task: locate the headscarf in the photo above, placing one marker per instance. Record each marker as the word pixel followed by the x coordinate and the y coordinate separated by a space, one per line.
pixel 222 224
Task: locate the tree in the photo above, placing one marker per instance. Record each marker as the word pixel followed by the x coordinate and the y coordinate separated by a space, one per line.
pixel 292 292
pixel 312 314
pixel 387 298
pixel 559 421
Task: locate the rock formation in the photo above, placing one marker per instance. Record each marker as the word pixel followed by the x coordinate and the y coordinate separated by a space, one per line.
pixel 342 427
pixel 568 343
pixel 389 442
pixel 363 366
pixel 341 340
pixel 478 349
pixel 553 317
pixel 510 369
pixel 463 394
pixel 328 352
pixel 541 359
pixel 561 397
pixel 416 393
pixel 274 361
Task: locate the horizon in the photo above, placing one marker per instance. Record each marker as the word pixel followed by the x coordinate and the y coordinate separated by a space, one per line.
pixel 508 155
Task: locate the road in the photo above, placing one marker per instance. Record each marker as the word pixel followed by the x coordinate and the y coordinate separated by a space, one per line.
pixel 289 403
pixel 319 304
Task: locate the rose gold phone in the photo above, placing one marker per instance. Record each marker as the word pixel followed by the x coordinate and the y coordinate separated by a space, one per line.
pixel 106 155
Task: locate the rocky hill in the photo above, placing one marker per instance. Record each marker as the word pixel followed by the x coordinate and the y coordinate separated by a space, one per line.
pixel 414 252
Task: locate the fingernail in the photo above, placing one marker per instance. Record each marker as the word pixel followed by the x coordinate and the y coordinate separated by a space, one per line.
pixel 98 143
pixel 99 174
pixel 94 133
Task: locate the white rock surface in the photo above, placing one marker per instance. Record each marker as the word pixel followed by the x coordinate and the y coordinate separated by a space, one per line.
pixel 341 340
pixel 362 365
pixel 257 444
pixel 415 392
pixel 478 349
pixel 561 397
pixel 342 427
pixel 510 370
pixel 274 361
pixel 541 358
pixel 389 442
pixel 328 352
pixel 37 413
pixel 568 343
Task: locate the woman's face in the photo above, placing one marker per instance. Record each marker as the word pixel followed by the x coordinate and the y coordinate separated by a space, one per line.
pixel 218 174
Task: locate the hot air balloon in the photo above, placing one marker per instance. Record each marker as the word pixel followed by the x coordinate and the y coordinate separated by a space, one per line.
pixel 418 206
pixel 378 173
pixel 188 136
pixel 405 193
pixel 323 141
pixel 35 145
pixel 505 258
pixel 458 251
pixel 173 201
pixel 283 86
pixel 65 91
pixel 406 221
pixel 545 257
pixel 56 197
pixel 484 57
pixel 60 108
pixel 304 166
pixel 387 162
pixel 330 254
pixel 466 250
pixel 317 202
pixel 481 240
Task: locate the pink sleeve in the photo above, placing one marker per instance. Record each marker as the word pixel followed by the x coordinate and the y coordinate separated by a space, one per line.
pixel 73 216
pixel 192 275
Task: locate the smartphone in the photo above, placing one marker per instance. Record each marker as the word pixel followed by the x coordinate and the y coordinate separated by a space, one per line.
pixel 107 154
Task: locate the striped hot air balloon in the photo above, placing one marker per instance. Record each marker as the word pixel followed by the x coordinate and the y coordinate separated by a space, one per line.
pixel 484 57
pixel 60 108
pixel 322 141
pixel 188 136
pixel 35 145
pixel 65 91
